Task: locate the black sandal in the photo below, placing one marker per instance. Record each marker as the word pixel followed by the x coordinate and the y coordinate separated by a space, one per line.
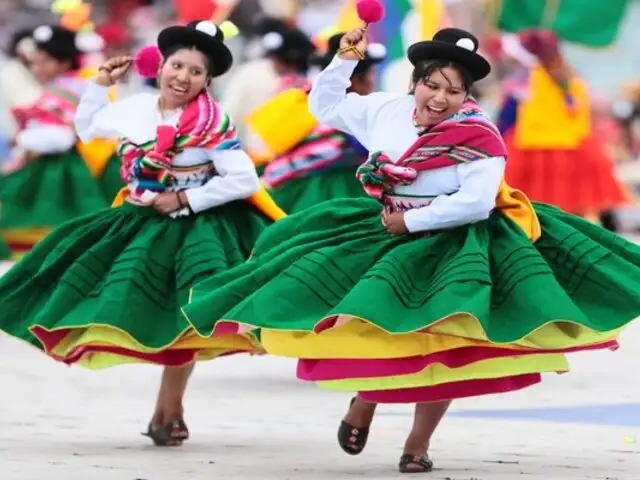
pixel 423 461
pixel 347 432
pixel 171 434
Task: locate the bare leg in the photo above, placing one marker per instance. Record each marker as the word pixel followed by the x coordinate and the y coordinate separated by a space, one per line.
pixel 169 403
pixel 426 419
pixel 360 413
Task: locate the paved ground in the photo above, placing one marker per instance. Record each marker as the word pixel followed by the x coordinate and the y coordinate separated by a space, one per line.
pixel 251 420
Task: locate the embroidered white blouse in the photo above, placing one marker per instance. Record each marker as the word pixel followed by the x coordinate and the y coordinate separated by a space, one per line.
pixel 137 117
pixel 382 121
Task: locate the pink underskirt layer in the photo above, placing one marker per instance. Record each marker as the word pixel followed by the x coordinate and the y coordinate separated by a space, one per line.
pixel 453 390
pixel 340 369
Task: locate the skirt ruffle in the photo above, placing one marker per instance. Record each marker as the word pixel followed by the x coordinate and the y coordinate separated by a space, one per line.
pixel 473 310
pixel 301 193
pixel 581 181
pixel 107 288
pixel 44 194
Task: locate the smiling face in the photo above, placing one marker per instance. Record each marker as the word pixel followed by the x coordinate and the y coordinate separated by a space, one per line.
pixel 439 93
pixel 184 74
pixel 45 68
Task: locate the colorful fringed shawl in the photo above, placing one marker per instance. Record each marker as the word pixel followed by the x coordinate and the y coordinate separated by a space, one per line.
pixel 57 104
pixel 464 137
pixel 202 124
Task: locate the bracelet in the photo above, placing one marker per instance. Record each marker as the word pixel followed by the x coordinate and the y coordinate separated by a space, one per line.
pixel 352 48
pixel 179 199
pixel 108 72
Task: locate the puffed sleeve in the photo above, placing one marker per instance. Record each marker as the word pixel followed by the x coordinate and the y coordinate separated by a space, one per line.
pixel 474 201
pixel 237 179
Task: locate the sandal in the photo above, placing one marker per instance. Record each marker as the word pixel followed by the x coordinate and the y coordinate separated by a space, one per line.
pixel 424 463
pixel 171 434
pixel 352 439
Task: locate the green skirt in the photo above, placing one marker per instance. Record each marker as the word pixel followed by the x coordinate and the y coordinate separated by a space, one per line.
pixel 44 194
pixel 473 310
pixel 301 193
pixel 107 288
pixel 337 258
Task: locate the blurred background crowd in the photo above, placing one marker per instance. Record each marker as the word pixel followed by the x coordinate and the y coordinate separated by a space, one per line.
pixel 598 39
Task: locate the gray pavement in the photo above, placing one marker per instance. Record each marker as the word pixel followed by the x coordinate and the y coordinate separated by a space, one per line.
pixel 250 419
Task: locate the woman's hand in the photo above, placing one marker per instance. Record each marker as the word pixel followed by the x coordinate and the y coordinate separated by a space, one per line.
pixel 394 223
pixel 353 45
pixel 169 202
pixel 30 156
pixel 113 70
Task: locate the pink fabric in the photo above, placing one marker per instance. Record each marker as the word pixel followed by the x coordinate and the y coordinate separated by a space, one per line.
pixel 453 390
pixel 340 369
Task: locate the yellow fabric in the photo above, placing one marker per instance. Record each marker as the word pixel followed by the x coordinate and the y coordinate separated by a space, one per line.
pixel 280 124
pixel 104 360
pixel 360 339
pixel 544 119
pixel 438 374
pixel 27 236
pixel 261 200
pixel 104 335
pixel 515 205
pixel 101 335
pixel 96 154
pixel 432 17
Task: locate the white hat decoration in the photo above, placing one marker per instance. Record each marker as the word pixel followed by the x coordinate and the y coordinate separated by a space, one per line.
pixel 207 27
pixel 377 51
pixel 89 42
pixel 43 34
pixel 272 41
pixel 467 44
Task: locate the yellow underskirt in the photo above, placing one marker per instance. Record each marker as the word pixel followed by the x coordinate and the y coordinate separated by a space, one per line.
pixel 27 236
pixel 102 335
pixel 438 374
pixel 360 339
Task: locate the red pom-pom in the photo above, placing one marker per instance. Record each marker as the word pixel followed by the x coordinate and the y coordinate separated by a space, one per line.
pixel 147 61
pixel 370 11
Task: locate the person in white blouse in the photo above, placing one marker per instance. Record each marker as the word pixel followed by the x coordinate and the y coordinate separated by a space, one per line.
pixel 46 180
pixel 446 283
pixel 110 284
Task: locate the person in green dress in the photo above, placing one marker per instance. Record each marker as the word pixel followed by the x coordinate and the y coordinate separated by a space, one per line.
pixel 106 288
pixel 47 181
pixel 445 282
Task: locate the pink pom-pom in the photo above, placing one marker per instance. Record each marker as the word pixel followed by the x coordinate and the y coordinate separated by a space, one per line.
pixel 147 61
pixel 370 11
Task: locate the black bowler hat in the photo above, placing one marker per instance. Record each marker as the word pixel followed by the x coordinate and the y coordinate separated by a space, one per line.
pixel 452 44
pixel 204 35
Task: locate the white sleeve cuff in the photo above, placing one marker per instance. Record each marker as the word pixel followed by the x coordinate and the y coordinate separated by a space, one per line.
pixel 416 218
